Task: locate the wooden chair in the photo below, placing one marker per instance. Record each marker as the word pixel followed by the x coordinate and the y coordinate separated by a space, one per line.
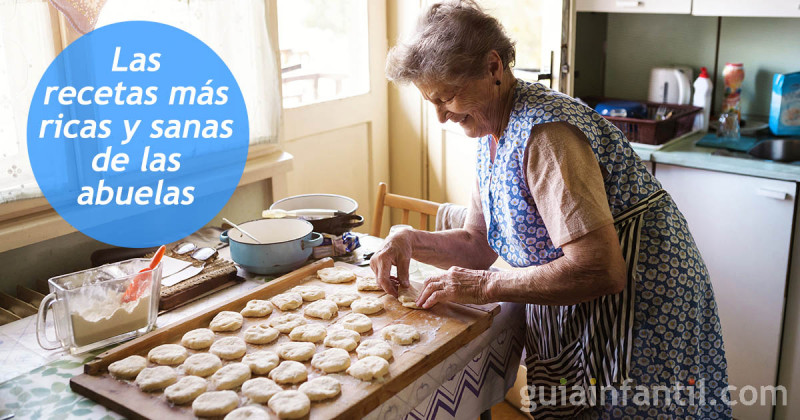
pixel 425 209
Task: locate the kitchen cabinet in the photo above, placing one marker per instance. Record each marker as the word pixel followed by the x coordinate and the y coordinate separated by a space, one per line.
pixel 683 7
pixel 743 228
pixel 763 8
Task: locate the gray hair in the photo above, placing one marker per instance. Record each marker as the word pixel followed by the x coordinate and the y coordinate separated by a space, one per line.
pixel 451 44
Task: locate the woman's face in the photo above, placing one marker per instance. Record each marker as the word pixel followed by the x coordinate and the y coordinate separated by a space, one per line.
pixel 474 105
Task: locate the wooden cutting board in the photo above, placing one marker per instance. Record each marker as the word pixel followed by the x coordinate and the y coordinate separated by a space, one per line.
pixel 443 330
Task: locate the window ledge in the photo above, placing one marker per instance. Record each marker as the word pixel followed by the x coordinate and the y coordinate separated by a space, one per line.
pixel 26 222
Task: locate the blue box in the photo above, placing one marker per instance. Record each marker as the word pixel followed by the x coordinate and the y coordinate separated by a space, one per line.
pixel 784 111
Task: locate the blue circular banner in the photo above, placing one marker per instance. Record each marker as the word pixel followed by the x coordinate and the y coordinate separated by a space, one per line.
pixel 138 134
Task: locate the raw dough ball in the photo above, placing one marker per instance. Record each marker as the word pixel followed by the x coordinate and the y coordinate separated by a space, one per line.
pixel 256 308
pixel 367 305
pixel 299 351
pixel 309 332
pixel 290 404
pixel 198 339
pixel 287 301
pixel 407 296
pixel 336 275
pixel 260 334
pixel 249 412
pixel 226 321
pixel 185 390
pixel 229 348
pixel 128 367
pixel 231 375
pixel 331 360
pixel 374 347
pixel 343 339
pixel 289 372
pixel 202 364
pixel 309 293
pixel 400 333
pixel 368 284
pixel 369 368
pixel 261 362
pixel 215 403
pixel 156 378
pixel 323 309
pixel 321 388
pixel 288 322
pixel 343 298
pixel 357 322
pixel 260 390
pixel 168 354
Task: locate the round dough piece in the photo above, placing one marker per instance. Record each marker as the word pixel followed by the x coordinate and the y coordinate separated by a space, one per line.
pixel 290 404
pixel 156 378
pixel 336 275
pixel 256 309
pixel 288 322
pixel 128 367
pixel 309 332
pixel 400 333
pixel 215 403
pixel 260 334
pixel 168 354
pixel 309 293
pixel 331 361
pixel 343 339
pixel 229 348
pixel 367 305
pixel 231 375
pixel 261 362
pixel 248 412
pixel 260 390
pixel 369 368
pixel 287 301
pixel 359 323
pixel 374 347
pixel 298 351
pixel 226 321
pixel 408 301
pixel 198 339
pixel 321 388
pixel 202 364
pixel 323 309
pixel 186 390
pixel 368 284
pixel 343 298
pixel 289 372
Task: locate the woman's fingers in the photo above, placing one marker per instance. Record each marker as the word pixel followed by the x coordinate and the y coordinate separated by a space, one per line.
pixel 402 271
pixel 431 285
pixel 381 265
pixel 436 297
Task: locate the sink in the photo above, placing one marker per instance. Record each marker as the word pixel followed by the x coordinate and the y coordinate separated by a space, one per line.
pixel 781 150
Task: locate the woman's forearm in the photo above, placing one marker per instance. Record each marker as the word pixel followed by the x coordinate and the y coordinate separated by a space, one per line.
pixel 456 247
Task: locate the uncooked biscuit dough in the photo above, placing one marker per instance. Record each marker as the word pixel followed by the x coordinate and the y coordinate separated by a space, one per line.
pixel 248 412
pixel 128 367
pixel 260 390
pixel 367 305
pixel 198 339
pixel 256 309
pixel 374 347
pixel 261 362
pixel 321 388
pixel 287 301
pixel 290 404
pixel 226 321
pixel 331 360
pixel 286 323
pixel 343 298
pixel 260 334
pixel 357 322
pixel 156 378
pixel 407 296
pixel 309 332
pixel 289 372
pixel 368 284
pixel 369 368
pixel 323 309
pixel 186 389
pixel 309 293
pixel 400 333
pixel 231 376
pixel 215 403
pixel 229 348
pixel 168 354
pixel 298 351
pixel 202 364
pixel 343 339
pixel 336 275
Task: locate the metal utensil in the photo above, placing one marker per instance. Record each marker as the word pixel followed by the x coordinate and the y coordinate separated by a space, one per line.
pixel 240 230
pixel 280 213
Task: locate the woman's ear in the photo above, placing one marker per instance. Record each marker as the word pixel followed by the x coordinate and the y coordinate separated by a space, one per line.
pixel 495 64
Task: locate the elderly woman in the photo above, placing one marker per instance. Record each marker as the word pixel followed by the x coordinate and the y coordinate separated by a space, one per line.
pixel 618 300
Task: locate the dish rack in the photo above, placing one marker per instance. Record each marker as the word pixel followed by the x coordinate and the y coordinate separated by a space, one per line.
pixel 648 130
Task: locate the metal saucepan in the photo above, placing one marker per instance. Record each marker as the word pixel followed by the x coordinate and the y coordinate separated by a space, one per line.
pixel 334 225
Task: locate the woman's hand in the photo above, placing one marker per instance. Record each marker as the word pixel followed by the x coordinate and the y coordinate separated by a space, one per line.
pixel 456 285
pixel 396 251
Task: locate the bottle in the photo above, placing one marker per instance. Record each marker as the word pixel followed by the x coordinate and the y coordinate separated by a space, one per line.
pixel 702 98
pixel 734 75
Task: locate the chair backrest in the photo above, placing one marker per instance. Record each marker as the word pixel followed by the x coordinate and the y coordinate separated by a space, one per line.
pixel 425 209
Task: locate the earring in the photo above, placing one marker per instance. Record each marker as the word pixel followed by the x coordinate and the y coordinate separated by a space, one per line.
pixel 497 82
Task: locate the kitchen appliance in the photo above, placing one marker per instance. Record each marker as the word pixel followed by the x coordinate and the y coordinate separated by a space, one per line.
pixel 670 85
pixel 285 245
pixel 334 225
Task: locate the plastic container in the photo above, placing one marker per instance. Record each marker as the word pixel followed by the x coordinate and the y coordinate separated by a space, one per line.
pixel 702 98
pixel 734 76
